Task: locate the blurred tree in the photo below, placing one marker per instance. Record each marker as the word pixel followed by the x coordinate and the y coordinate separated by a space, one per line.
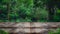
pixel 29 10
pixel 51 4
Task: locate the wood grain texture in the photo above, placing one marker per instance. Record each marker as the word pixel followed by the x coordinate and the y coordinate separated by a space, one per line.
pixel 28 27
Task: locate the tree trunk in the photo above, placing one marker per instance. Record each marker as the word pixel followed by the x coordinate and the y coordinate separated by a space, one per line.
pixel 51 12
pixel 8 9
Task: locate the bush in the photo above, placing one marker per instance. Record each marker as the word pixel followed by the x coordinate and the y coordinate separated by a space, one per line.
pixel 3 32
pixel 56 32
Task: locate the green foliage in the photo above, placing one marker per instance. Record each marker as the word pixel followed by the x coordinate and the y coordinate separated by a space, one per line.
pixel 3 32
pixel 56 32
pixel 25 11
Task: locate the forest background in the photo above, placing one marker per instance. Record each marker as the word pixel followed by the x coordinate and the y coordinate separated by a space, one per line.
pixel 29 10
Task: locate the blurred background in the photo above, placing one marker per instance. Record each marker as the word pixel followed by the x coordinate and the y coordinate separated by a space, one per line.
pixel 29 10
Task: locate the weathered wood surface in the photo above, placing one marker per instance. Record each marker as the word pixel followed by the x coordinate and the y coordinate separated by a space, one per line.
pixel 34 27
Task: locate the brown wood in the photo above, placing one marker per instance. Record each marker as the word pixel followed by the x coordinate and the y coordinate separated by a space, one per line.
pixel 31 26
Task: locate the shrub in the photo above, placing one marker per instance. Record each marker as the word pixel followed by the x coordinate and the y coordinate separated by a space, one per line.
pixel 56 32
pixel 3 32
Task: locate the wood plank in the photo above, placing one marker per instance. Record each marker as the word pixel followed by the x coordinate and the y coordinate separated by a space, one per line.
pixel 29 27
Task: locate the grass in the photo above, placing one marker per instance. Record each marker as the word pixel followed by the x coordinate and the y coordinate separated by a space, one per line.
pixel 3 32
pixel 55 32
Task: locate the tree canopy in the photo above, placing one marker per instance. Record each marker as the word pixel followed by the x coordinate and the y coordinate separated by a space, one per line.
pixel 29 10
